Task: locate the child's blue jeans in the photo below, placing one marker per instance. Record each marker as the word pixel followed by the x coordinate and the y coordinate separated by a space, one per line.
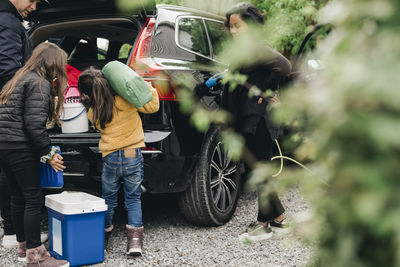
pixel 125 165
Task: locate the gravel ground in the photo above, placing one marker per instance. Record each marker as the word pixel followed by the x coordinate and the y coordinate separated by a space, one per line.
pixel 171 241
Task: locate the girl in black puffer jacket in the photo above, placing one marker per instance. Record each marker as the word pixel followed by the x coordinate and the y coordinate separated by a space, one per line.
pixel 26 102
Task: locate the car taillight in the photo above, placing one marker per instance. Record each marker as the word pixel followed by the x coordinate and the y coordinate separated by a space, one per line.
pixel 145 66
pixel 143 44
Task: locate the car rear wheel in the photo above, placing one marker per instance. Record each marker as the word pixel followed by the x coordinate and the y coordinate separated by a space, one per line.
pixel 212 196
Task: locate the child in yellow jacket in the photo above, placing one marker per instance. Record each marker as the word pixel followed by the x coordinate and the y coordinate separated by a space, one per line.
pixel 122 137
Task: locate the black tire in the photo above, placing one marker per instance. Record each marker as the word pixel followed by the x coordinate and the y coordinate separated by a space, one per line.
pixel 212 196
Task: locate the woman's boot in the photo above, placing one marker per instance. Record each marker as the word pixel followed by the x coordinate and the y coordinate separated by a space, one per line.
pixel 22 251
pixel 39 256
pixel 22 247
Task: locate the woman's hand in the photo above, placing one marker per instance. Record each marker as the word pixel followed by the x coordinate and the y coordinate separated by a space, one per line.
pixel 274 99
pixel 56 162
pixel 213 81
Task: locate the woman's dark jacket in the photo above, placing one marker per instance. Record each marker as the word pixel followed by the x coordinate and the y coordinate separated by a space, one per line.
pixel 23 118
pixel 15 46
pixel 248 110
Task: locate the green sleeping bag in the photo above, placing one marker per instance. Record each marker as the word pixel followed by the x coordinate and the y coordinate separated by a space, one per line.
pixel 127 83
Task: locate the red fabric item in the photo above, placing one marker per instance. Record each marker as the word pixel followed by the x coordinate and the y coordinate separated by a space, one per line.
pixel 73 75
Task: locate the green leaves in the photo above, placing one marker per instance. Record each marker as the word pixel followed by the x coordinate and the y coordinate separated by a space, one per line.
pixel 288 21
pixel 345 114
pixel 202 118
pixel 352 126
pixel 233 143
pixel 128 6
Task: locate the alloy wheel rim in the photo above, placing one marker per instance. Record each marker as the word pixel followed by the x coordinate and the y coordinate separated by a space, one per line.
pixel 222 179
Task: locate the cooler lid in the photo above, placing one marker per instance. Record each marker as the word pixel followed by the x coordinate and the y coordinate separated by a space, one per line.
pixel 72 203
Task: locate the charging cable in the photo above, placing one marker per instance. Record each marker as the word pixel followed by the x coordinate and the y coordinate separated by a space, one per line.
pixel 284 157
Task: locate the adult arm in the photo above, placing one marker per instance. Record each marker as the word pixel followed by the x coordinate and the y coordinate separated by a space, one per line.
pixel 276 73
pixel 10 52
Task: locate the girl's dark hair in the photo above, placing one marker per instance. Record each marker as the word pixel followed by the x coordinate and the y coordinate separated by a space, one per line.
pixel 100 96
pixel 48 61
pixel 248 12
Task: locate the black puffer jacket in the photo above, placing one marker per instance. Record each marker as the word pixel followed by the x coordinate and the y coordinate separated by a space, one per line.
pixel 23 118
pixel 248 111
pixel 15 46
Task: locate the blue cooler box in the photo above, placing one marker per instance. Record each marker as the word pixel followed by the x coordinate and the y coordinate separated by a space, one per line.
pixel 76 227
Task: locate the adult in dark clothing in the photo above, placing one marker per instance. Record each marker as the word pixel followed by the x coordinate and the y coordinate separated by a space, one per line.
pixel 15 49
pixel 27 101
pixel 250 112
pixel 15 46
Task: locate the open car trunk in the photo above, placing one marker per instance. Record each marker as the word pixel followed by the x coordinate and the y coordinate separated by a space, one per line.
pixel 90 41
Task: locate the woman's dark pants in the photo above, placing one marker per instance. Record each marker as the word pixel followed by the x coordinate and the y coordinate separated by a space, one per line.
pixel 21 169
pixel 5 205
pixel 260 145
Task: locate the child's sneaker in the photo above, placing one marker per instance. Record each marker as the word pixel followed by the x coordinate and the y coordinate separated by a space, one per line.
pixel 256 232
pixel 9 241
pixel 44 237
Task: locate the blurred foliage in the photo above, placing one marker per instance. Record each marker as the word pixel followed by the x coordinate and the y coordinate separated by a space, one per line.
pixel 124 51
pixel 350 113
pixel 288 21
pixel 348 110
pixel 170 2
pixel 216 7
pixel 129 6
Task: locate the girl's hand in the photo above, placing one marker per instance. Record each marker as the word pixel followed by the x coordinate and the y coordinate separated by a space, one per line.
pixel 56 162
pixel 150 85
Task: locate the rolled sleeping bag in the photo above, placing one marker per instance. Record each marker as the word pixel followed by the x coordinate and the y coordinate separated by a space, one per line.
pixel 127 83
